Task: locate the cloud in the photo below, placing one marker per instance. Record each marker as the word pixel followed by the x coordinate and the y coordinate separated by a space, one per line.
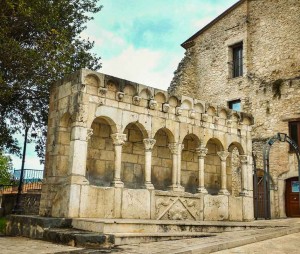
pixel 142 66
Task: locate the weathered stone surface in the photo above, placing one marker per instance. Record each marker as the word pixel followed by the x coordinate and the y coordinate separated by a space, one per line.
pixel 136 204
pixel 216 207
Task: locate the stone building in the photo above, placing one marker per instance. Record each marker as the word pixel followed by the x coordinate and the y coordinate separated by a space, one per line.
pixel 118 149
pixel 248 59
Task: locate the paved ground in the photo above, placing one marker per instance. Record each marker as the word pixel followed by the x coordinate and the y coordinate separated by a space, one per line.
pixel 285 244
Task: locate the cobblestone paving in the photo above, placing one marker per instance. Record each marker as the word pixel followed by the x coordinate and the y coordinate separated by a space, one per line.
pixel 286 244
pixel 14 245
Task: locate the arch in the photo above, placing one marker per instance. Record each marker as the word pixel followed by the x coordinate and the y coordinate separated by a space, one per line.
pixel 199 108
pixel 173 101
pixel 92 80
pixel 65 120
pixel 108 121
pixel 211 111
pixel 160 97
pixel 168 132
pixel 212 166
pixel 189 163
pixel 112 85
pixel 186 104
pixel 234 170
pixel 223 114
pixel 129 90
pixel 140 127
pixel 100 153
pixel 217 142
pixel 161 171
pixel 133 156
pixel 145 94
pixel 238 146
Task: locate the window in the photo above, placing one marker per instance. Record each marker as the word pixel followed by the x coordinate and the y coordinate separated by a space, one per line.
pixel 294 132
pixel 235 105
pixel 237 60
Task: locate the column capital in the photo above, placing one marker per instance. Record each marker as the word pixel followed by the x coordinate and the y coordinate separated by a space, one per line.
pixel 149 143
pixel 176 148
pixel 201 151
pixel 89 133
pixel 243 159
pixel 118 138
pixel 223 155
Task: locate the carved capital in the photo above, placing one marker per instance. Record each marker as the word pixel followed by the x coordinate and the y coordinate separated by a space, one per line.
pixel 136 100
pixel 173 148
pixel 166 107
pixel 176 148
pixel 223 155
pixel 102 91
pixel 152 104
pixel 229 123
pixel 204 117
pixel 149 143
pixel 192 114
pixel 89 133
pixel 178 111
pixel 118 139
pixel 120 96
pixel 243 159
pixel 201 151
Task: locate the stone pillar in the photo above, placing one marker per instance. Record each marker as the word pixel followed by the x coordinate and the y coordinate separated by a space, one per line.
pixel 174 151
pixel 178 182
pixel 244 163
pixel 118 140
pixel 78 151
pixel 201 151
pixel 176 158
pixel 223 156
pixel 149 143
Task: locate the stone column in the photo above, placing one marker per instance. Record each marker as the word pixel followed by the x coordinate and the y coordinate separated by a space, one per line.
pixel 223 156
pixel 178 182
pixel 201 151
pixel 244 163
pixel 174 151
pixel 118 140
pixel 149 143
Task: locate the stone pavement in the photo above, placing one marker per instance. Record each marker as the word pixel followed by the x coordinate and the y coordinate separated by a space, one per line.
pixel 278 244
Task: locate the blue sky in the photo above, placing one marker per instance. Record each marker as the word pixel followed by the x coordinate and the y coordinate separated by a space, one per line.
pixel 139 40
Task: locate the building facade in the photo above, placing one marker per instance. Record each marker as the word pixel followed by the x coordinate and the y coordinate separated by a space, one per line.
pixel 248 59
pixel 118 149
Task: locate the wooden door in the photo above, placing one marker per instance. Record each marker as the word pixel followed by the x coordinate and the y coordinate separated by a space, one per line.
pixel 292 197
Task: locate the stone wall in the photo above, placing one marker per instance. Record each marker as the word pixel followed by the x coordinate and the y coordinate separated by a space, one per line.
pixel 117 149
pixel 269 87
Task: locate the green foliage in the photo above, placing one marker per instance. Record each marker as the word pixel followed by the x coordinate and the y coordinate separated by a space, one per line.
pixel 5 169
pixel 39 43
pixel 2 225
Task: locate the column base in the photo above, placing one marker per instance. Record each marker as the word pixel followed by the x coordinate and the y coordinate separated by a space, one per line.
pixel 177 188
pixel 223 192
pixel 117 183
pixel 148 186
pixel 244 193
pixel 202 190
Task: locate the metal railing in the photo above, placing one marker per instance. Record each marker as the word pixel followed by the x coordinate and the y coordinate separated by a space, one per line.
pixel 32 180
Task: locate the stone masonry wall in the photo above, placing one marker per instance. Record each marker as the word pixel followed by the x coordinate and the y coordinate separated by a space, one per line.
pixel 269 87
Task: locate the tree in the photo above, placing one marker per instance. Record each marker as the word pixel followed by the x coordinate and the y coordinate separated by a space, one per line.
pixel 39 43
pixel 5 169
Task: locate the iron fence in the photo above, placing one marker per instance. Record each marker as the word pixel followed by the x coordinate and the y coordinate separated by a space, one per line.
pixel 32 180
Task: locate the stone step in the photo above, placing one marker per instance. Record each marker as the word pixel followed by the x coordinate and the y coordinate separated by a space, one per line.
pixel 134 238
pixel 223 242
pixel 113 226
pixel 78 238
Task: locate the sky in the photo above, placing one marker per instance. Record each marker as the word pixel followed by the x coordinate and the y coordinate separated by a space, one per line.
pixel 139 40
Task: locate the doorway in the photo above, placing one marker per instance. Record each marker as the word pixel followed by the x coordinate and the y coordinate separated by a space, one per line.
pixel 292 207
